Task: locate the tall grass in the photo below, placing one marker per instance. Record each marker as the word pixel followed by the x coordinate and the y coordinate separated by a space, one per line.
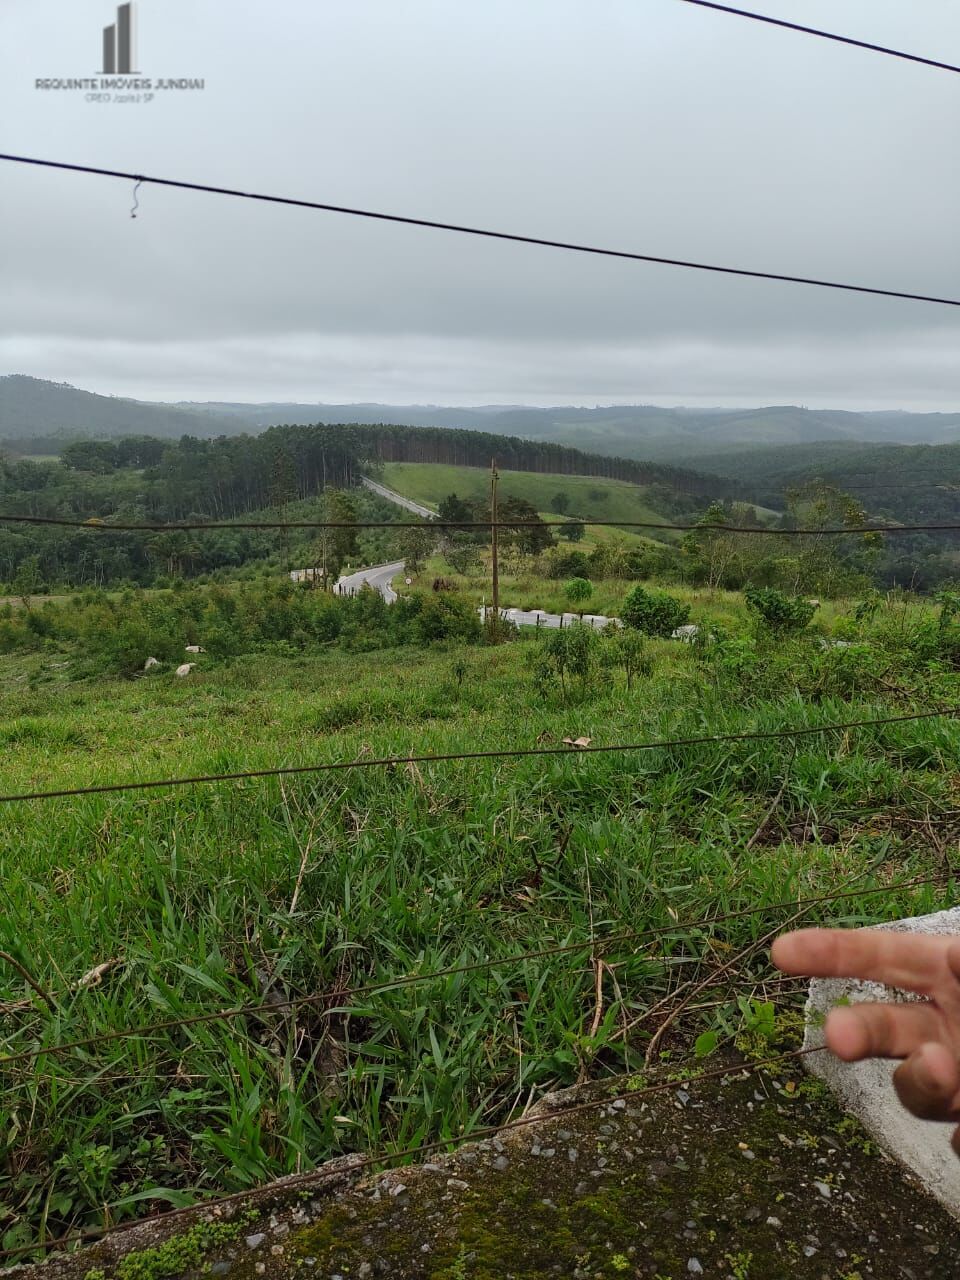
pixel 257 891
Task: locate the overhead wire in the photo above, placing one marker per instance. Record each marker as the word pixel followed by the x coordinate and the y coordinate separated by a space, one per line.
pixel 100 525
pixel 482 232
pixel 825 35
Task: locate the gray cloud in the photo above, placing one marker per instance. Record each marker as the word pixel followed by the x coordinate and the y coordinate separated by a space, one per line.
pixel 653 127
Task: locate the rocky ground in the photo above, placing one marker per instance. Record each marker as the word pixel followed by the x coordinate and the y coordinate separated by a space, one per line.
pixel 750 1177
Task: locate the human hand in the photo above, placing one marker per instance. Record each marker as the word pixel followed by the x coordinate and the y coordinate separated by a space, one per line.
pixel 925 1035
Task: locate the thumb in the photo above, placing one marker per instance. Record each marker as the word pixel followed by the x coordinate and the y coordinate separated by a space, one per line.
pixel 927 1082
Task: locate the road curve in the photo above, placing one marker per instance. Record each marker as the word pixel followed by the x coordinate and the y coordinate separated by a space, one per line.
pixel 398 499
pixel 378 577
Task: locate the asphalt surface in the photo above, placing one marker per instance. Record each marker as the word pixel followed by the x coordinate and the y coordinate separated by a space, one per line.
pixel 391 495
pixel 378 577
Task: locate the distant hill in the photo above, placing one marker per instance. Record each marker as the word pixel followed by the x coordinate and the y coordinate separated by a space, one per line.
pixel 631 431
pixel 915 484
pixel 31 408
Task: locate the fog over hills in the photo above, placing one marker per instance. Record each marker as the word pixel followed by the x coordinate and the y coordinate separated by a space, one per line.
pixel 34 408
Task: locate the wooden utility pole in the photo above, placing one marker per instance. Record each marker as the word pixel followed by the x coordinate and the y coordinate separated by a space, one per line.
pixel 494 531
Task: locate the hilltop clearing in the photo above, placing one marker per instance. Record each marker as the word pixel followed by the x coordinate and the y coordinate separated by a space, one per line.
pixel 554 496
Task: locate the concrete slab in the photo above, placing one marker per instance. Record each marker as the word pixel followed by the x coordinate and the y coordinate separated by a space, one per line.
pixel 865 1089
pixel 755 1176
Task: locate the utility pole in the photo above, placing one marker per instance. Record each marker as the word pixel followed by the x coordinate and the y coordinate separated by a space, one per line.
pixel 494 548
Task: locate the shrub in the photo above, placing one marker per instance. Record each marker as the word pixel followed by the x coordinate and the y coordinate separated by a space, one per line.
pixel 446 617
pixel 777 611
pixel 570 564
pixel 567 654
pixel 626 649
pixel 654 612
pixel 577 590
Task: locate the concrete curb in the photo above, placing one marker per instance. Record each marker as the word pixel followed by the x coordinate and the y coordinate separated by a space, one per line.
pixel 865 1089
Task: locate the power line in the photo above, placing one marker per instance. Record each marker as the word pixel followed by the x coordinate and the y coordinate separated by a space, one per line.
pixel 337 997
pixel 98 523
pixel 322 1175
pixel 486 233
pixel 497 754
pixel 825 35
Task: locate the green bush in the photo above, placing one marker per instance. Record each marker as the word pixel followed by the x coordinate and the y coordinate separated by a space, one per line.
pixel 570 564
pixel 626 649
pixel 568 657
pixel 577 590
pixel 446 617
pixel 654 612
pixel 778 612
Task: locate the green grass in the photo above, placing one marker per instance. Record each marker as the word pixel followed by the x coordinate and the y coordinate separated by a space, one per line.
pixel 590 498
pixel 217 895
pixel 522 587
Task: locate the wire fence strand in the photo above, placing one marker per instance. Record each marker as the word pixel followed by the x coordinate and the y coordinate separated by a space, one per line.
pixel 500 753
pixel 99 524
pixel 334 998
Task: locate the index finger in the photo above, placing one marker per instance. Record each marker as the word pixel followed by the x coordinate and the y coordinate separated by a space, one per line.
pixel 910 961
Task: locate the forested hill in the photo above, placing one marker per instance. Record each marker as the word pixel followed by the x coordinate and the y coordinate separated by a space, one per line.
pixel 32 411
pixel 678 435
pixel 914 484
pixel 230 475
pixel 477 448
pixel 31 408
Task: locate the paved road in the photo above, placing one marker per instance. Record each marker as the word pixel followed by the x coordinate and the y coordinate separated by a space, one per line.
pixel 378 577
pixel 392 496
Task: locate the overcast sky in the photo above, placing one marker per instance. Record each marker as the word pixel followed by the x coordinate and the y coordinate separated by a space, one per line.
pixel 648 125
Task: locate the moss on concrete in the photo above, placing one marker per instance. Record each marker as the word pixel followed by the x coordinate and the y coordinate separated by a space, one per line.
pixel 752 1178
pixel 747 1179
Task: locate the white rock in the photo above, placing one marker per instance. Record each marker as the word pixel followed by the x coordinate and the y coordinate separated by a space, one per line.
pixel 185 668
pixel 686 633
pixel 865 1088
pixel 194 648
pixel 151 662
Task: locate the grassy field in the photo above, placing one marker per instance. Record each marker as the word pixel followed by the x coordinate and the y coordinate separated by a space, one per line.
pixel 204 897
pixel 526 589
pixel 590 498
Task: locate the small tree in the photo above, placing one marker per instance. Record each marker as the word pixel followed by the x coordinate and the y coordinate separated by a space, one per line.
pixel 626 649
pixel 461 554
pixel 654 612
pixel 414 543
pixel 28 579
pixel 566 655
pixel 573 531
pixel 560 503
